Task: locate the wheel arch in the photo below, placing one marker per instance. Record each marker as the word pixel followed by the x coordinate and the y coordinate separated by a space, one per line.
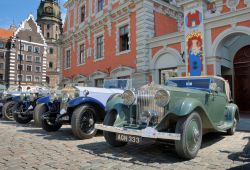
pixel 100 111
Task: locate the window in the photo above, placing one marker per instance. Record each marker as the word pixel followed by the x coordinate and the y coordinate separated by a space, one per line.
pixel 1 77
pixel 30 48
pixel 38 69
pixel 81 57
pixel 1 55
pixel 51 50
pixel 56 36
pixel 1 44
pixel 30 38
pixel 1 66
pixel 20 57
pixel 37 79
pixel 36 50
pixel 99 47
pixel 100 4
pixel 82 13
pixel 67 60
pixel 124 38
pixel 48 26
pixel 48 36
pixel 38 59
pixel 99 82
pixel 28 78
pixel 50 65
pixel 29 58
pixel 29 68
pixel 19 77
pixel 20 67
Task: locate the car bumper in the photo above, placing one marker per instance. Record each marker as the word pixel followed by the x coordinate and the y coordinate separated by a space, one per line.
pixel 145 133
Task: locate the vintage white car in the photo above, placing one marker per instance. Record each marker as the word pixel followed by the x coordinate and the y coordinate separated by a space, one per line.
pixel 79 106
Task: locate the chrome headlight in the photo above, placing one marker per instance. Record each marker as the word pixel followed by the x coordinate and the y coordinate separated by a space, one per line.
pixel 54 96
pixel 22 96
pixel 128 97
pixel 33 96
pixel 162 98
pixel 77 93
pixel 65 98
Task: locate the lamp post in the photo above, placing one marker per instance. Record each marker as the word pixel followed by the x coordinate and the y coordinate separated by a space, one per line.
pixel 20 63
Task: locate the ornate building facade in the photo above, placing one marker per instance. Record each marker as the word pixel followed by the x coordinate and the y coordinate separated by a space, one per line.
pixel 151 40
pixel 50 22
pixel 28 55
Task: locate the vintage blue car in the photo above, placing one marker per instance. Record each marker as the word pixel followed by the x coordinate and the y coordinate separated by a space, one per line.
pixel 79 106
pixel 19 105
pixel 178 113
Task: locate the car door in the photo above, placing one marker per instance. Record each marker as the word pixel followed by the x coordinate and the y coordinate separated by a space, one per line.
pixel 218 102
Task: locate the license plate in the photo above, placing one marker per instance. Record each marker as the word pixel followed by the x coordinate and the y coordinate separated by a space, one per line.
pixel 62 111
pixel 128 138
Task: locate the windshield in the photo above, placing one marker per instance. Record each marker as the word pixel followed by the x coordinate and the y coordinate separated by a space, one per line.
pixel 117 83
pixel 194 83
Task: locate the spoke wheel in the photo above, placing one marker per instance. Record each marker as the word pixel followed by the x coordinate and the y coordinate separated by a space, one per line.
pixel 83 121
pixel 190 129
pixel 7 110
pixel 87 121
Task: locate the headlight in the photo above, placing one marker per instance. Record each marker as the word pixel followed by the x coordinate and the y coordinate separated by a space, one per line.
pixel 33 96
pixel 77 93
pixel 65 98
pixel 54 96
pixel 162 98
pixel 128 97
pixel 22 96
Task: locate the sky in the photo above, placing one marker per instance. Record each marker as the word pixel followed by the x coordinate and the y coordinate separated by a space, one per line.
pixel 18 10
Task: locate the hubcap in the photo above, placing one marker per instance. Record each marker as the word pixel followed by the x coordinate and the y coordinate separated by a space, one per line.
pixel 87 122
pixel 193 135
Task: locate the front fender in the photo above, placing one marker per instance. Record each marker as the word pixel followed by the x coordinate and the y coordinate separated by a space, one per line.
pixel 185 106
pixel 43 100
pixel 81 100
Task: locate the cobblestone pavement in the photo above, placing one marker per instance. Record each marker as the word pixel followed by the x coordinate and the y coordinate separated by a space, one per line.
pixel 27 147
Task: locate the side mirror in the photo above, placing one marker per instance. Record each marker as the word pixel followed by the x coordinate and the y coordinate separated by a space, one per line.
pixel 213 87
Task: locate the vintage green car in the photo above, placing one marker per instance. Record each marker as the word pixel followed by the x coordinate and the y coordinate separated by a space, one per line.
pixel 178 113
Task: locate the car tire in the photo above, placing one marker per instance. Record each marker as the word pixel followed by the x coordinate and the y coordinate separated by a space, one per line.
pixel 109 136
pixel 232 130
pixel 50 126
pixel 83 122
pixel 6 115
pixel 37 115
pixel 21 119
pixel 190 129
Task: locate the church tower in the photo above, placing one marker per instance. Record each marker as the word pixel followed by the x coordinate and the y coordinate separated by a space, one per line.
pixel 49 19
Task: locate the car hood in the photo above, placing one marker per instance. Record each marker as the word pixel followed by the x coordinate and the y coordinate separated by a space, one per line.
pixel 99 90
pixel 100 94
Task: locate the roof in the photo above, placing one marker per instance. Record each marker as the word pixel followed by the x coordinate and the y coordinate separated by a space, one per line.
pixel 5 34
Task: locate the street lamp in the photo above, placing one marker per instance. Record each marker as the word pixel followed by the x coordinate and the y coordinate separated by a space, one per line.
pixel 20 63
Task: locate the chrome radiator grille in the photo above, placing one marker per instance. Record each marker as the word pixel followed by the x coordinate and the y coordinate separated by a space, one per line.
pixel 145 102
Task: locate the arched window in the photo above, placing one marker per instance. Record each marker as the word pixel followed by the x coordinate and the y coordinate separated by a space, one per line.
pixel 48 36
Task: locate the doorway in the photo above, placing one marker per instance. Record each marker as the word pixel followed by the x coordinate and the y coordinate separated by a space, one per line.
pixel 242 79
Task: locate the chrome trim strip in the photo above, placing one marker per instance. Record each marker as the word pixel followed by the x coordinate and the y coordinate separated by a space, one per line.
pixel 142 133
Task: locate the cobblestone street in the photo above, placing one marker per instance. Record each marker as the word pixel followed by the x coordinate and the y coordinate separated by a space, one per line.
pixel 27 147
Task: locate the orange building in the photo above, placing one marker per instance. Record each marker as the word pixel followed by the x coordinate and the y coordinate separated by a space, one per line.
pixel 151 40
